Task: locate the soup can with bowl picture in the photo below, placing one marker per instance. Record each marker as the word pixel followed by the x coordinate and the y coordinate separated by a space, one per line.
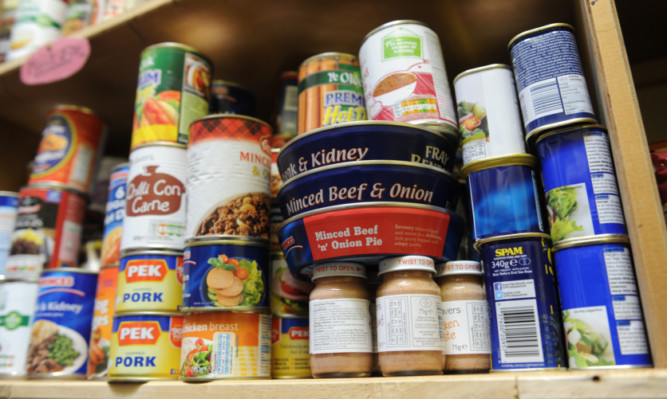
pixel 100 331
pixel 173 89
pixel 9 206
pixel 115 213
pixel 231 98
pixel 404 76
pixel 17 309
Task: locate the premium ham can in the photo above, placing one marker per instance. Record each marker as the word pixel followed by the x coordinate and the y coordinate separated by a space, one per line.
pixel 100 331
pixel 228 168
pixel 17 309
pixel 70 148
pixel 48 231
pixel 115 213
pixel 218 345
pixel 330 91
pixel 9 206
pixel 404 76
pixel 290 341
pixel 173 90
pixel 488 109
pixel 155 198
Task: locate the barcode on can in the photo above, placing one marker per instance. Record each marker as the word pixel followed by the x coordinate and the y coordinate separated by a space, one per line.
pixel 540 100
pixel 519 332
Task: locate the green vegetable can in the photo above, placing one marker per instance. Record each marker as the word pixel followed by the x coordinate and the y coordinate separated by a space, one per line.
pixel 226 273
pixel 61 328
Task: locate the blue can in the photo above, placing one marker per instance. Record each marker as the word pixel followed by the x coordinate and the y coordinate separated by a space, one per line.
pixel 9 207
pixel 602 314
pixel 526 329
pixel 226 273
pixel 61 327
pixel 115 213
pixel 503 196
pixel 550 79
pixel 231 98
pixel 580 188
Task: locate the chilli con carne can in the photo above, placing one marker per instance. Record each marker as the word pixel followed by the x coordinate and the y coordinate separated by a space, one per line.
pixel 290 343
pixel 9 207
pixel 404 76
pixel 228 168
pixel 100 331
pixel 172 91
pixel 70 148
pixel 17 309
pixel 330 91
pixel 115 213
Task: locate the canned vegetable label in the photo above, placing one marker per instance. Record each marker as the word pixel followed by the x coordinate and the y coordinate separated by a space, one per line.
pixel 289 348
pixel 115 213
pixel 17 309
pixel 150 282
pixel 100 334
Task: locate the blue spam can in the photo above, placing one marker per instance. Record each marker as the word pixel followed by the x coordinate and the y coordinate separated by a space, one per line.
pixel 526 329
pixel 61 327
pixel 231 98
pixel 503 196
pixel 550 79
pixel 580 188
pixel 9 208
pixel 602 314
pixel 226 273
pixel 368 181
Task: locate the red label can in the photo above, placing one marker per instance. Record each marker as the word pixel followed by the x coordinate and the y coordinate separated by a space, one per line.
pixel 100 332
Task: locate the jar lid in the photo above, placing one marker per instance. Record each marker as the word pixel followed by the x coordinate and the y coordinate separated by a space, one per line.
pixel 409 262
pixel 459 267
pixel 339 269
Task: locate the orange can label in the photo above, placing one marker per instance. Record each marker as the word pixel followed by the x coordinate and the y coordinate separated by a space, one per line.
pixel 100 335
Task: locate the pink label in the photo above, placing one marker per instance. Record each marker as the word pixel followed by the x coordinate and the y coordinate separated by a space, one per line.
pixel 55 61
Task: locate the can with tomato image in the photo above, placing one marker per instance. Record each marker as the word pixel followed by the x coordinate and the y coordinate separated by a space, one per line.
pixel 404 76
pixel 219 345
pixel 100 331
pixel 289 295
pixel 226 273
pixel 290 340
pixel 145 346
pixel 150 280
pixel 330 91
pixel 70 148
pixel 173 89
pixel 115 213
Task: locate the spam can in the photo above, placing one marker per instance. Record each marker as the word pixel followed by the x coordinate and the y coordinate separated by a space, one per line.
pixel 150 280
pixel 226 273
pixel 115 213
pixel 145 346
pixel 602 315
pixel 100 330
pixel 17 309
pixel 230 98
pixel 9 207
pixel 550 79
pixel 580 189
pixel 71 146
pixel 61 328
pixel 503 196
pixel 173 90
pixel 218 345
pixel 290 340
pixel 526 329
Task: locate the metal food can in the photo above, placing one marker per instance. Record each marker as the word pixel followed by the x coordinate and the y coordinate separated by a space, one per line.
pixel 145 346
pixel 38 22
pixel 226 273
pixel 230 98
pixel 550 79
pixel 276 220
pixel 70 148
pixel 9 207
pixel 61 328
pixel 276 181
pixel 504 196
pixel 155 198
pixel 526 329
pixel 172 91
pixel 17 309
pixel 47 232
pixel 330 91
pixel 488 109
pixel 79 15
pixel 150 280
pixel 228 168
pixel 218 345
pixel 290 357
pixel 287 104
pixel 115 213
pixel 580 188
pixel 602 314
pixel 404 76
pixel 100 331
pixel 289 295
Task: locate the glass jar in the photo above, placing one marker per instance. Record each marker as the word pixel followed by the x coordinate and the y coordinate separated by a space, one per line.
pixel 466 316
pixel 340 329
pixel 409 324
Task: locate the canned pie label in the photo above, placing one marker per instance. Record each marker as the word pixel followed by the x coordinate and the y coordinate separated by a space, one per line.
pixel 150 282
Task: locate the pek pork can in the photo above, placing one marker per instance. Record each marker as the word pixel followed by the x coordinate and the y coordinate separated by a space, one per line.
pixel 231 98
pixel 115 213
pixel 290 341
pixel 404 76
pixel 9 207
pixel 228 168
pixel 17 309
pixel 100 331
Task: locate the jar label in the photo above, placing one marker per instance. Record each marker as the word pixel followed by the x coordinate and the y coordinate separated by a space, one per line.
pixel 466 326
pixel 409 323
pixel 341 325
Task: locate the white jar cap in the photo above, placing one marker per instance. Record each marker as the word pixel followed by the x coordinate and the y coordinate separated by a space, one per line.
pixel 409 262
pixel 459 267
pixel 339 269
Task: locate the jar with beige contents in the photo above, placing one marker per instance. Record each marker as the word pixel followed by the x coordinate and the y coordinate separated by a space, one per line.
pixel 410 333
pixel 340 329
pixel 466 316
